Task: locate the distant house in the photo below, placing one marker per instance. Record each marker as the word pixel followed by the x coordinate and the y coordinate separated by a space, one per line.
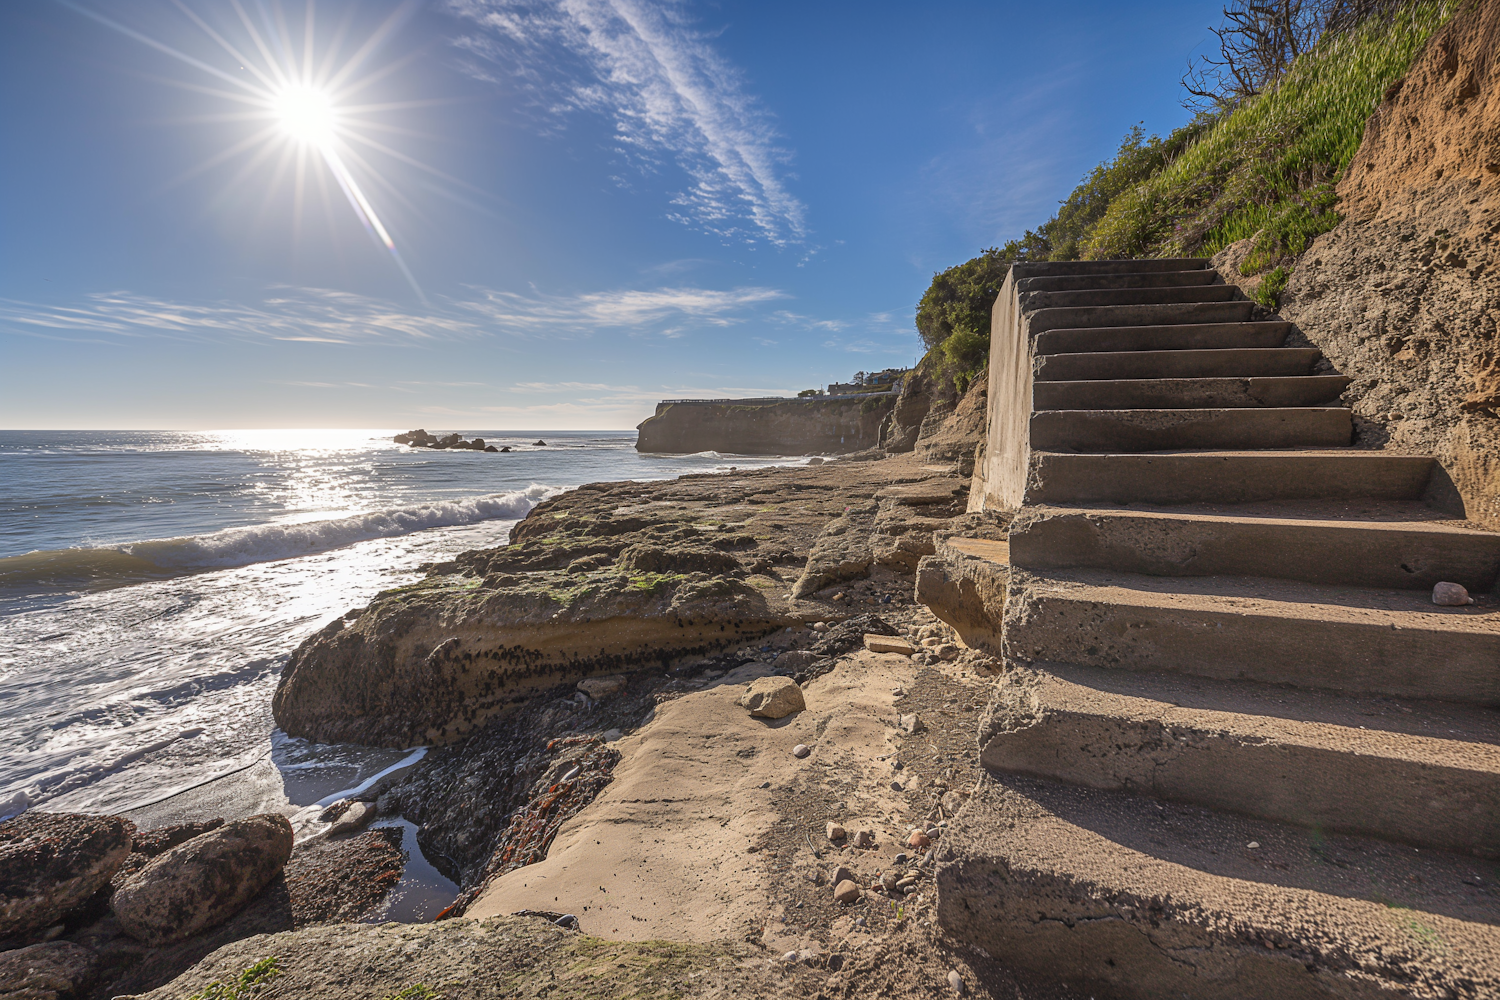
pixel 886 381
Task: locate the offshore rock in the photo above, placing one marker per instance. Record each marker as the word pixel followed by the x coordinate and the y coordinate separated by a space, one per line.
pixel 51 863
pixel 203 882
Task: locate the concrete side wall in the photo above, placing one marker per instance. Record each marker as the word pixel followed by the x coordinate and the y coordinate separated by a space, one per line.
pixel 1007 449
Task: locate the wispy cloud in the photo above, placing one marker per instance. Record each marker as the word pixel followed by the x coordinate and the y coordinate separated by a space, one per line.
pixel 668 94
pixel 322 316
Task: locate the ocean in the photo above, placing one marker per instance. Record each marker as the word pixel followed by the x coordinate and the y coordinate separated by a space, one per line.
pixel 152 584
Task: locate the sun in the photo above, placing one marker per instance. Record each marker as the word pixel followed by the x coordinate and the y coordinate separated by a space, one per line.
pixel 305 114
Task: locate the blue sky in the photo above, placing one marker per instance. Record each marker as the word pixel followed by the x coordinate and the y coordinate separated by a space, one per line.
pixel 599 203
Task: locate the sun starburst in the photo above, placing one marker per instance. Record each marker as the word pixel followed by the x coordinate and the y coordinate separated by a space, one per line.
pixel 301 98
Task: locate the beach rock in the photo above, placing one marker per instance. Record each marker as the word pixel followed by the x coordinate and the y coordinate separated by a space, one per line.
pixel 51 863
pixel 834 831
pixel 147 844
pixel 541 444
pixel 773 697
pixel 955 981
pixel 840 874
pixel 918 839
pixel 1451 595
pixel 47 971
pixel 888 644
pixel 847 891
pixel 910 724
pixel 947 651
pixel 599 687
pixel 888 881
pixel 864 838
pixel 841 552
pixel 794 659
pixel 203 882
pixel 801 750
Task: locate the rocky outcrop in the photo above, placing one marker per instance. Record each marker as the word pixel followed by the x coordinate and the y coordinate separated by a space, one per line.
pixel 48 971
pixel 419 438
pixel 932 418
pixel 605 578
pixel 204 881
pixel 51 863
pixel 832 425
pixel 953 440
pixel 1405 293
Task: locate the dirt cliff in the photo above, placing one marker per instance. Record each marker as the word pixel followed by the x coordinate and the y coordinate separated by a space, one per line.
pixel 1405 293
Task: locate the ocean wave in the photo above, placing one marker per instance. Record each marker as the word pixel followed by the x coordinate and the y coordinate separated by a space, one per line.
pixel 161 558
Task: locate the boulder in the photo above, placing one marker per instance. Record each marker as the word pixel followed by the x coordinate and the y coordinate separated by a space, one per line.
pixel 45 971
pixel 51 863
pixel 599 687
pixel 773 697
pixel 204 881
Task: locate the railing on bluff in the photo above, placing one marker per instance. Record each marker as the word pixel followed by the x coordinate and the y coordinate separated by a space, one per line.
pixel 772 400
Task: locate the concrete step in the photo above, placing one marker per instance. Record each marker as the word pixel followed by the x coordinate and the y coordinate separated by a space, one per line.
pixel 1362 640
pixel 1425 774
pixel 1230 363
pixel 1225 477
pixel 1049 268
pixel 1128 296
pixel 1188 393
pixel 1158 279
pixel 1072 317
pixel 1356 552
pixel 1179 337
pixel 1127 896
pixel 1172 430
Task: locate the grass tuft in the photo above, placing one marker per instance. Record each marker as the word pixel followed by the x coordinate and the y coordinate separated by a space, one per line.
pixel 247 984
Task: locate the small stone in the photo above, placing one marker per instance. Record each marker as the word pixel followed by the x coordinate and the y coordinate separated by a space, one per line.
pixel 932 642
pixel 895 786
pixel 888 881
pixel 773 698
pixel 835 832
pixel 910 724
pixel 794 659
pixel 790 956
pixel 864 838
pixel 820 626
pixel 1451 595
pixel 353 818
pixel 566 920
pixel 841 874
pixel 947 651
pixel 847 891
pixel 934 832
pixel 860 921
pixel 610 735
pixel 906 883
pixel 918 839
pixel 801 750
pixel 901 859
pixel 888 644
pixel 955 981
pixel 835 963
pixel 598 687
pixel 1253 845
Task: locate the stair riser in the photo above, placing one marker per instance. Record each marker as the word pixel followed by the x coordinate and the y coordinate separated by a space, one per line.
pixel 1070 267
pixel 1332 554
pixel 1226 363
pixel 1357 658
pixel 1073 317
pixel 1241 478
pixel 1217 393
pixel 1084 282
pixel 1031 301
pixel 1446 808
pixel 1186 337
pixel 1169 430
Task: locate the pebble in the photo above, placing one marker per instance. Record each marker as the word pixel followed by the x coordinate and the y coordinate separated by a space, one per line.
pixel 888 881
pixel 1451 595
pixel 566 920
pixel 835 832
pixel 864 838
pixel 897 765
pixel 790 956
pixel 820 626
pixel 901 859
pixel 895 786
pixel 906 883
pixel 801 750
pixel 610 735
pixel 910 724
pixel 1253 845
pixel 860 921
pixel 955 981
pixel 846 891
pixel 842 874
pixel 947 651
pixel 918 839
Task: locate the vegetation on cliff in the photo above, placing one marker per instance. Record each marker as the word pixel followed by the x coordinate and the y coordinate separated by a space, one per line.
pixel 1259 163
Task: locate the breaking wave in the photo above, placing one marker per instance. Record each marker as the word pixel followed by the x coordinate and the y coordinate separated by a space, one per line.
pixel 112 566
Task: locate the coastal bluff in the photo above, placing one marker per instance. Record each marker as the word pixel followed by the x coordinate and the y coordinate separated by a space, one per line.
pixel 832 425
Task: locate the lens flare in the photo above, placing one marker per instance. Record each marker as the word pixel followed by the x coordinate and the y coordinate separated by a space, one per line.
pixel 304 97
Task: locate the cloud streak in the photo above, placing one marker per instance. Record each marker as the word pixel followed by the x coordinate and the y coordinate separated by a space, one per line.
pixel 667 93
pixel 323 316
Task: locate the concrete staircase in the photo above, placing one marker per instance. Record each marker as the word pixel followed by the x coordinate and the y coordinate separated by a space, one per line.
pixel 1237 751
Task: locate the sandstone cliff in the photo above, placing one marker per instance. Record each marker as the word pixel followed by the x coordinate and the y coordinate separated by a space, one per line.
pixel 830 426
pixel 1405 293
pixel 934 419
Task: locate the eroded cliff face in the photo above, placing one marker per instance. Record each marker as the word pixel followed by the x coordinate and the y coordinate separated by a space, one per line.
pixel 1405 294
pixel 933 419
pixel 826 426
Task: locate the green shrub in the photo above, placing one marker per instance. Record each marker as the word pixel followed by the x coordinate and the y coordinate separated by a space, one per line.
pixel 1269 166
pixel 247 984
